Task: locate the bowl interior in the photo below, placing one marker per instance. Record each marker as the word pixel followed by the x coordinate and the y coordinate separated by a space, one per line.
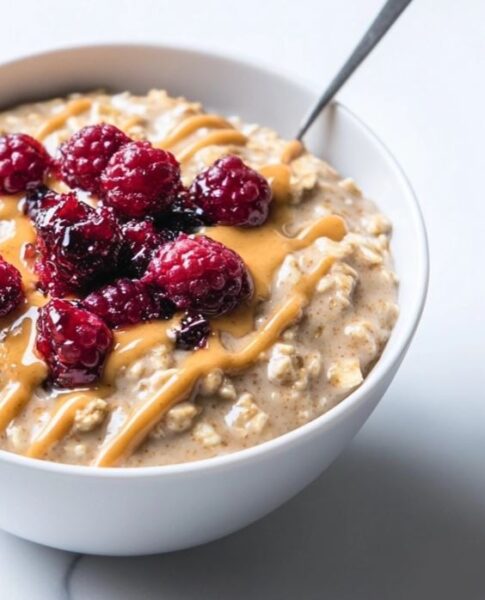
pixel 233 87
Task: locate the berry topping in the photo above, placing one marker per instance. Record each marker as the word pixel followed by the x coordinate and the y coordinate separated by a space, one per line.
pixel 85 155
pixel 184 217
pixel 73 341
pixel 140 240
pixel 200 275
pixel 38 200
pixel 79 246
pixel 140 180
pixel 23 163
pixel 127 302
pixel 11 293
pixel 231 193
pixel 192 332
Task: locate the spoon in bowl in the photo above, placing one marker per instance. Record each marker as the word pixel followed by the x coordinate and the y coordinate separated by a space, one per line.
pixel 388 15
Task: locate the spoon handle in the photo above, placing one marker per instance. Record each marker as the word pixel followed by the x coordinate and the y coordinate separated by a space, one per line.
pixel 389 13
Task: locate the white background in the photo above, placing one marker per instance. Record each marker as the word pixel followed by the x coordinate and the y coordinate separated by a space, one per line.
pixel 401 515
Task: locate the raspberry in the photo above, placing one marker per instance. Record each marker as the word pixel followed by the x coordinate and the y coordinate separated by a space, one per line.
pixel 231 193
pixel 79 246
pixel 23 163
pixel 38 200
pixel 192 333
pixel 11 293
pixel 73 341
pixel 127 302
pixel 140 180
pixel 85 155
pixel 140 240
pixel 200 275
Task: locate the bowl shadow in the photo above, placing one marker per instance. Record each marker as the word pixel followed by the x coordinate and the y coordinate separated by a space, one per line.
pixel 373 526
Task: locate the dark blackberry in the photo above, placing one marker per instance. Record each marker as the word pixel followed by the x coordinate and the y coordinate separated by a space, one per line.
pixel 192 333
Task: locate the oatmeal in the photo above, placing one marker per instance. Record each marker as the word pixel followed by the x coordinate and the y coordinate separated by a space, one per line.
pixel 177 285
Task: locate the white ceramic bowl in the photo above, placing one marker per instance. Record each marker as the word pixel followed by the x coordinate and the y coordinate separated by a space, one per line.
pixel 157 509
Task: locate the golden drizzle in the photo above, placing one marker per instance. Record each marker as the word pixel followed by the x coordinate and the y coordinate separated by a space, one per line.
pixel 248 244
pixel 279 177
pixel 75 107
pixel 60 422
pixel 146 416
pixel 129 345
pixel 21 372
pixel 190 125
pixel 135 342
pixel 292 150
pixel 24 371
pixel 217 138
pixel 131 122
pixel 18 234
pixel 264 248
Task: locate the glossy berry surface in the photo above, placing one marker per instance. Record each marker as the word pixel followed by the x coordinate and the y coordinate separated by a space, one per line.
pixel 73 341
pixel 192 333
pixel 140 180
pixel 38 200
pixel 11 292
pixel 183 217
pixel 140 240
pixel 84 156
pixel 127 302
pixel 231 193
pixel 200 275
pixel 23 163
pixel 78 246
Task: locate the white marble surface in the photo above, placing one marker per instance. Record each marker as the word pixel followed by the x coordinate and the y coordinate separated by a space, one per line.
pixel 401 514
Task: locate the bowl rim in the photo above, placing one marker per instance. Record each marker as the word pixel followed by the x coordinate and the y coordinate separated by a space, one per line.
pixel 394 348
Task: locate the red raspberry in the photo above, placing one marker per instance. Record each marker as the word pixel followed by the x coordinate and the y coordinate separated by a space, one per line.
pixel 73 342
pixel 49 279
pixel 127 302
pixel 140 180
pixel 200 275
pixel 140 240
pixel 231 193
pixel 79 246
pixel 39 200
pixel 23 163
pixel 11 293
pixel 85 155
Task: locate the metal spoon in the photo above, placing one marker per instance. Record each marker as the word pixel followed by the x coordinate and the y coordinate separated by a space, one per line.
pixel 388 15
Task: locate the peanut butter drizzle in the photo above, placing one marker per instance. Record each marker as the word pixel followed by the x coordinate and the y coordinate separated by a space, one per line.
pixel 264 249
pixel 217 138
pixel 22 371
pixel 279 177
pixel 135 342
pixel 74 108
pixel 60 422
pixel 26 371
pixel 12 248
pixel 146 416
pixel 131 122
pixel 277 246
pixel 292 150
pixel 190 125
pixel 129 345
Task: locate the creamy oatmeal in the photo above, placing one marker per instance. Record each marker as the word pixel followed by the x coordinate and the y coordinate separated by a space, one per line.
pixel 323 307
